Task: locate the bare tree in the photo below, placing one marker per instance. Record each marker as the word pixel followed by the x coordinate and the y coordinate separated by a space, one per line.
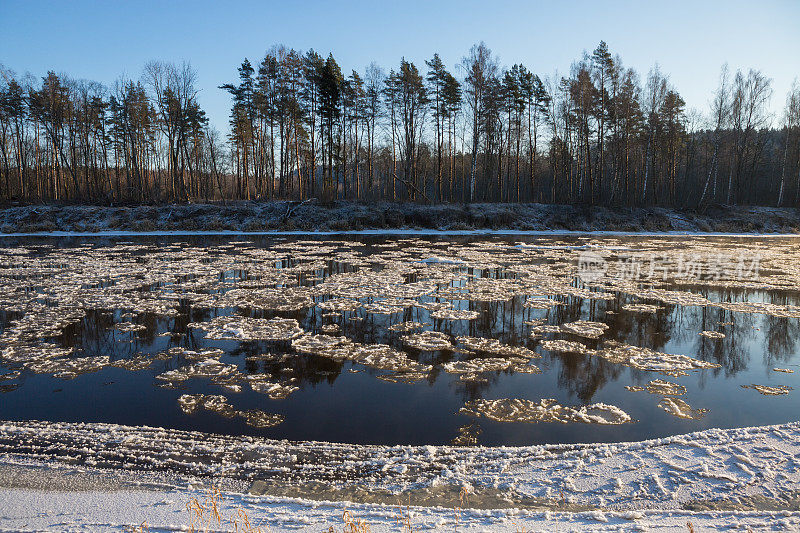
pixel 481 68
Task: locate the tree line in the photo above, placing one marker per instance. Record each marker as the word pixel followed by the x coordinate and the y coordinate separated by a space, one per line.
pixel 301 128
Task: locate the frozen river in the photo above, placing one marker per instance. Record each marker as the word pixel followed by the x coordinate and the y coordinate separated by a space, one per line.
pixel 489 340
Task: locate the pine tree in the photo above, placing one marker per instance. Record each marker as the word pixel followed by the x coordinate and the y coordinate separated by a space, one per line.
pixel 413 104
pixel 330 85
pixel 437 76
pixel 451 93
pixel 602 67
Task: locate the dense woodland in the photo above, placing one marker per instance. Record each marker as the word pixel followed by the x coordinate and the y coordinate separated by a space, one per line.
pixel 301 128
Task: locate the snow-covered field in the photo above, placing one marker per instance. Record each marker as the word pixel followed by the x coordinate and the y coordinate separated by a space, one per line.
pixel 96 477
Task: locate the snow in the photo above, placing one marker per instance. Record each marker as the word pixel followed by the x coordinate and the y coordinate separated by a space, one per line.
pixel 164 508
pixel 36 510
pixel 103 477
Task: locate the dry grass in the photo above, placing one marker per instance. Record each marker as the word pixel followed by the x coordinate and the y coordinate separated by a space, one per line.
pixel 462 500
pixel 358 525
pixel 205 515
pixel 519 528
pixel 404 518
pixel 351 524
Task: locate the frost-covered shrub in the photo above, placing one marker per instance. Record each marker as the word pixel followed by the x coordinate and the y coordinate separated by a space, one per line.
pixel 188 224
pixel 460 226
pixel 116 222
pixel 393 218
pixel 254 224
pixel 339 225
pixel 502 219
pixel 218 224
pixel 144 225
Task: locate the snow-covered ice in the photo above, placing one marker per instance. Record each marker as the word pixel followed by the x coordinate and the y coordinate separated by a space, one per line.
pixel 122 476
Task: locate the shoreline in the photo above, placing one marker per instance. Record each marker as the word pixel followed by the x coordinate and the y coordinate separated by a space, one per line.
pixel 402 233
pixel 391 218
pixel 703 458
pixel 713 478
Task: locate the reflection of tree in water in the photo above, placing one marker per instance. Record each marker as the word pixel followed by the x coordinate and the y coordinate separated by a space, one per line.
pixel 731 353
pixel 648 330
pixel 781 333
pixel 434 358
pixel 475 388
pixel 6 317
pixel 305 368
pixel 185 336
pixel 569 312
pixel 94 335
pixel 676 323
pixel 583 376
pixel 265 357
pixel 714 350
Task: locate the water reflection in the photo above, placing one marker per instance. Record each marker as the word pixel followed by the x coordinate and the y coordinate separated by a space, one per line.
pixel 138 301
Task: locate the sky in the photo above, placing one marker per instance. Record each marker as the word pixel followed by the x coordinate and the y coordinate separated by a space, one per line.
pixel 690 40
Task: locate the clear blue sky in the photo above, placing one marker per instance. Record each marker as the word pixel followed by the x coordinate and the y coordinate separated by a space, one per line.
pixel 690 40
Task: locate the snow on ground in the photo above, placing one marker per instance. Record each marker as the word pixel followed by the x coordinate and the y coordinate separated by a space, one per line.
pixel 36 510
pixel 60 476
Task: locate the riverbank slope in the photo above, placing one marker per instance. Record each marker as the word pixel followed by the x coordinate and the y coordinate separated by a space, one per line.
pixel 354 216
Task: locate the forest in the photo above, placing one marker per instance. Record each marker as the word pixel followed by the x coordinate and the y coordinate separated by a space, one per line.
pixel 300 128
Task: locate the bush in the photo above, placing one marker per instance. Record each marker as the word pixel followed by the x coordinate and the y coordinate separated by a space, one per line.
pixel 216 224
pixel 502 219
pixel 116 222
pixel 254 224
pixel 393 218
pixel 655 223
pixel 460 226
pixel 144 225
pixel 339 225
pixel 39 227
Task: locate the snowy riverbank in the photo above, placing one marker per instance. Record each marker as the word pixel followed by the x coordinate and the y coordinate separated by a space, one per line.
pixel 357 216
pixel 99 476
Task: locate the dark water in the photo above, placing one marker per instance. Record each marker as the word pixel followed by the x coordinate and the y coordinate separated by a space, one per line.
pixel 335 404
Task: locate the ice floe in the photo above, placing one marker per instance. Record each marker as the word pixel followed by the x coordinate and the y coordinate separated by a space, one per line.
pixel 769 390
pixel 428 341
pixel 659 386
pixel 585 328
pixel 246 328
pixel 547 410
pixel 681 409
